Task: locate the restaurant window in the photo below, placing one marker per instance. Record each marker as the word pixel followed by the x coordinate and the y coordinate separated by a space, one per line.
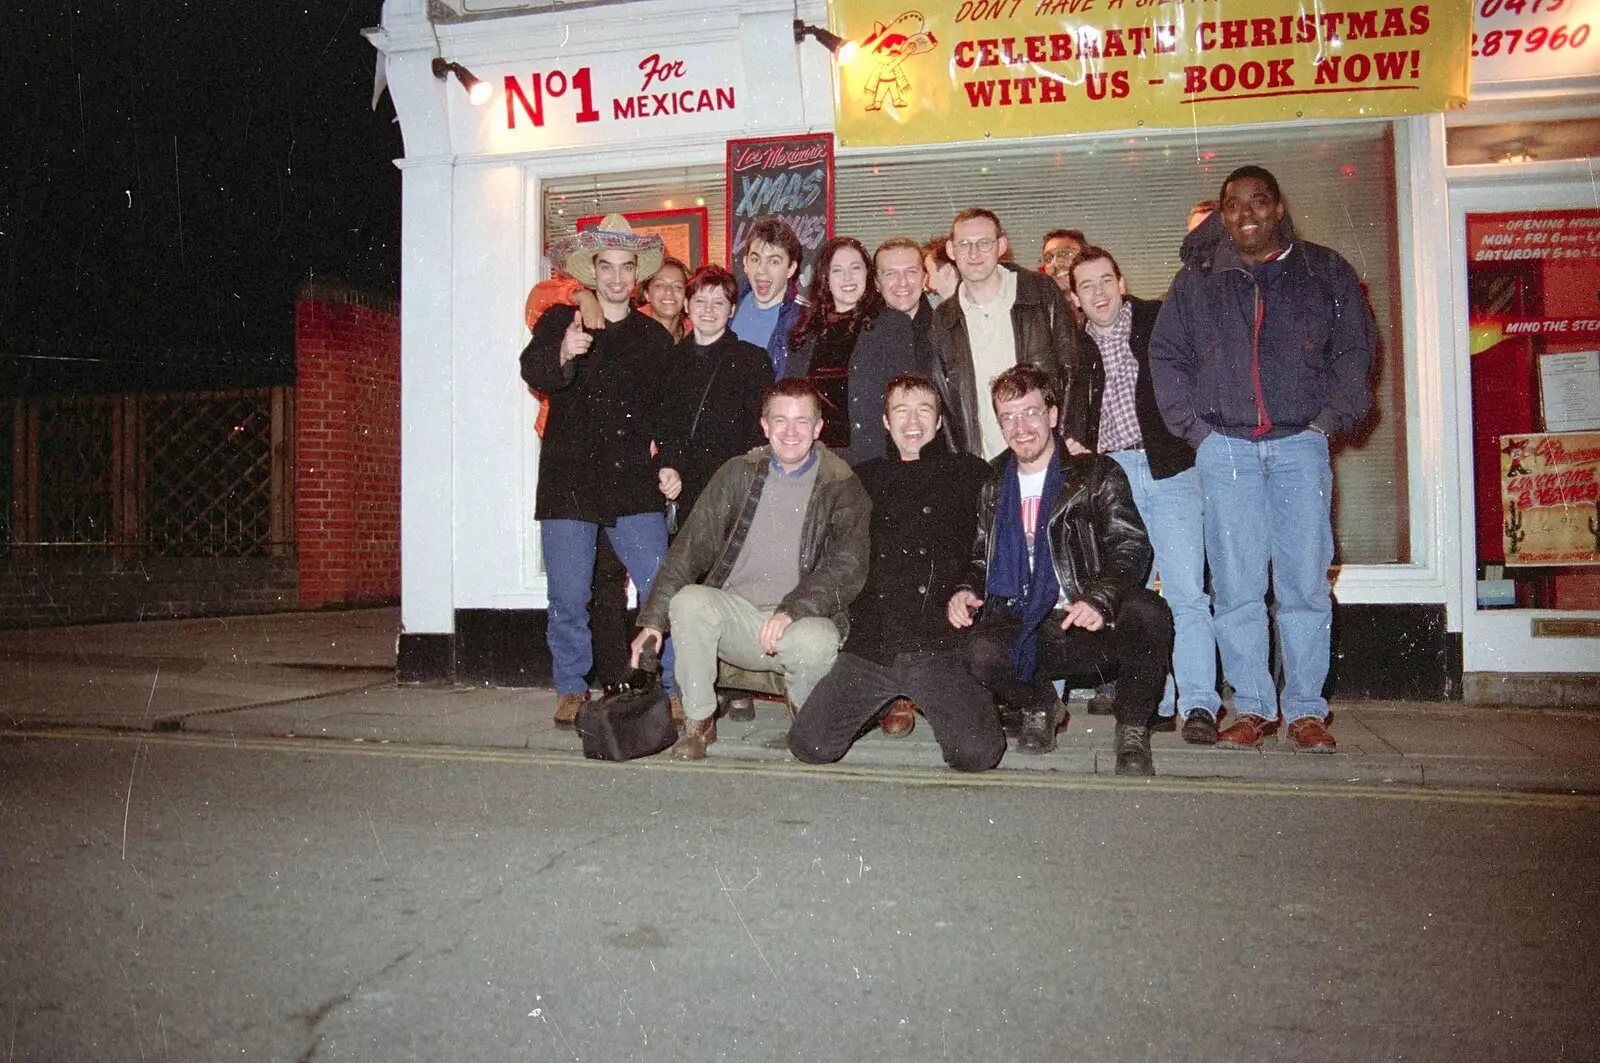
pixel 674 196
pixel 1132 195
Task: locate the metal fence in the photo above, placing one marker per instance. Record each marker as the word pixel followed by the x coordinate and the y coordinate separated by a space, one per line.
pixel 187 474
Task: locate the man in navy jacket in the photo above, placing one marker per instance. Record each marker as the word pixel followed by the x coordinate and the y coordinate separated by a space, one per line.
pixel 1262 352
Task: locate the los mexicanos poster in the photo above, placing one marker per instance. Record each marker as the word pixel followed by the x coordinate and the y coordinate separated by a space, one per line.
pixel 1550 498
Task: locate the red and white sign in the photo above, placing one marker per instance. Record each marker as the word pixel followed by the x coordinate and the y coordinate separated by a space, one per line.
pixel 605 99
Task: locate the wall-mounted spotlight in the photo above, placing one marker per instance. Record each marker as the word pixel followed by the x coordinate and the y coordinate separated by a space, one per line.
pixel 478 91
pixel 842 49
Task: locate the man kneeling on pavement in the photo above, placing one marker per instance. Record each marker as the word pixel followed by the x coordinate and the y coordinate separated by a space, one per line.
pixel 901 645
pixel 761 574
pixel 1061 557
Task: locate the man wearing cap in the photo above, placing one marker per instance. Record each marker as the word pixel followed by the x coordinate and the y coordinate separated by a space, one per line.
pixel 596 469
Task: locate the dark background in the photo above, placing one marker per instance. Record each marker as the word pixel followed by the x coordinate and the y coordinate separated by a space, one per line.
pixel 170 172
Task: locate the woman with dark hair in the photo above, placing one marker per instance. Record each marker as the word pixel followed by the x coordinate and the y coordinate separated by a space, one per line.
pixel 714 398
pixel 842 302
pixel 662 297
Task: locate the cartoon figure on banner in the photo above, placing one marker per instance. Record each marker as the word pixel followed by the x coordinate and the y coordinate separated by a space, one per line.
pixel 1517 449
pixel 890 46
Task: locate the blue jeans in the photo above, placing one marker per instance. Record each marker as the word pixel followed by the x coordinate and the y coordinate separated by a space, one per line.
pixel 640 540
pixel 1172 509
pixel 1267 503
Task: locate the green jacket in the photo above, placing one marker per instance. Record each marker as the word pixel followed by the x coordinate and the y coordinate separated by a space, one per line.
pixel 835 546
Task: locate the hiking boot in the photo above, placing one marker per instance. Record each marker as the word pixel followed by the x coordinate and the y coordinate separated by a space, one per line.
pixel 1163 724
pixel 1310 735
pixel 692 741
pixel 1103 703
pixel 1247 732
pixel 1038 733
pixel 900 719
pixel 567 707
pixel 1199 729
pixel 1133 750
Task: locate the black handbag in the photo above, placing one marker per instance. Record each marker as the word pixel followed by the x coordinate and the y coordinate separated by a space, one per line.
pixel 633 720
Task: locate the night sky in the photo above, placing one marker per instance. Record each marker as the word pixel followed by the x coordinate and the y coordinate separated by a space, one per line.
pixel 170 172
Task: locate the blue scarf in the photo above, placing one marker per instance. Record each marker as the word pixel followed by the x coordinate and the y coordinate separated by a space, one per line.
pixel 1031 595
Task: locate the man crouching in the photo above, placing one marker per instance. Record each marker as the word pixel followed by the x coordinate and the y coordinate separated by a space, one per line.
pixel 773 553
pixel 1061 557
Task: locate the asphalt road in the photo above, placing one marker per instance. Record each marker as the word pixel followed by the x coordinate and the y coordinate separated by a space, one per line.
pixel 181 898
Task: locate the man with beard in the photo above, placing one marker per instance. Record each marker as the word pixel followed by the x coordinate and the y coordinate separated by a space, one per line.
pixel 1058 568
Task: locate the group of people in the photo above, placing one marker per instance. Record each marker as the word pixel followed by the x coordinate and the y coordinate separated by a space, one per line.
pixel 959 506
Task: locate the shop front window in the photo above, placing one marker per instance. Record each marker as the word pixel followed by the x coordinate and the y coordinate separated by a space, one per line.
pixel 1133 195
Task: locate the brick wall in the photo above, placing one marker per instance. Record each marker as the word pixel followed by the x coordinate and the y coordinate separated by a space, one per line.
pixel 46 588
pixel 347 480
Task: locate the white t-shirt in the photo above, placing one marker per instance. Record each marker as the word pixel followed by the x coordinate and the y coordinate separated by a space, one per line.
pixel 1031 486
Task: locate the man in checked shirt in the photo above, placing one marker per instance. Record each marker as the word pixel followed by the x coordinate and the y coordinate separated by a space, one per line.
pixel 1124 423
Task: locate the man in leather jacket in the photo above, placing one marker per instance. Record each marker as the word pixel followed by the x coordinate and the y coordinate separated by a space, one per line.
pixel 774 551
pixel 1058 568
pixel 998 317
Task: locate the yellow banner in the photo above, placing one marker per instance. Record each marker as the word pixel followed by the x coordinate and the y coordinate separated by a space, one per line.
pixel 968 69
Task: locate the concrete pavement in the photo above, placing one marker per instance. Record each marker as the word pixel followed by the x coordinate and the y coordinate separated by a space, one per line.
pixel 330 675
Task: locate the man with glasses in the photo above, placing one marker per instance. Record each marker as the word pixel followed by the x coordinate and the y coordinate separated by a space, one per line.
pixel 1060 245
pixel 1058 568
pixel 999 317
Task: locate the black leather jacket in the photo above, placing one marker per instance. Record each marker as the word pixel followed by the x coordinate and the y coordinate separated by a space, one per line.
pixel 1097 541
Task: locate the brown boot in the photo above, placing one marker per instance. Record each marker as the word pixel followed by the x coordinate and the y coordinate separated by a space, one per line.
pixel 567 707
pixel 900 719
pixel 692 741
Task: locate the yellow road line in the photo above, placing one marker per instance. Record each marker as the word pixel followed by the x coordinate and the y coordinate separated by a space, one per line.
pixel 933 777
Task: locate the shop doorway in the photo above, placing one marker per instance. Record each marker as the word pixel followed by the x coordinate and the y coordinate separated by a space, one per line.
pixel 1527 254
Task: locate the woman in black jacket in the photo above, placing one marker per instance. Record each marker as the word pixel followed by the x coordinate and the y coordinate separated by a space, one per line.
pixel 713 409
pixel 843 300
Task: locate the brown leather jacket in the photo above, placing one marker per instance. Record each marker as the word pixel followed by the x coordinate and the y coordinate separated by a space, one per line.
pixel 1046 335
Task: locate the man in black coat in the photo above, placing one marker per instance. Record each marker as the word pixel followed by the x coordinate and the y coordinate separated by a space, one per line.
pixel 596 469
pixel 924 509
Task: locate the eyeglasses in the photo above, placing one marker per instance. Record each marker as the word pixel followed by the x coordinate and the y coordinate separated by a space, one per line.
pixel 1032 415
pixel 1061 254
pixel 983 247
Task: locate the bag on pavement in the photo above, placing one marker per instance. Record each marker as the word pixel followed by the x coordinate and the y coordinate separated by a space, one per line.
pixel 633 721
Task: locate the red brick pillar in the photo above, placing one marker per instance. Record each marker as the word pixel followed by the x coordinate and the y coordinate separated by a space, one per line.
pixel 347 439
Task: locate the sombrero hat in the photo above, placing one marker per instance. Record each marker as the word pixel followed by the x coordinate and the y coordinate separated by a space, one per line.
pixel 575 255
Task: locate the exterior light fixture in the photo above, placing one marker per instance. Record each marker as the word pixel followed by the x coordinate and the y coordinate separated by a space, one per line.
pixel 478 91
pixel 842 49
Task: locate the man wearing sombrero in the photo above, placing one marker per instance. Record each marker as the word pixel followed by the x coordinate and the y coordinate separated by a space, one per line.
pixel 596 470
